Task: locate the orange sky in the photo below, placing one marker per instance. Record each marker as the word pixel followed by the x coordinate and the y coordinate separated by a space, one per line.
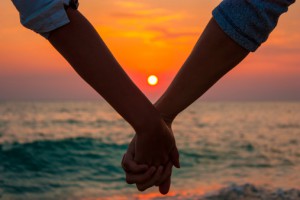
pixel 147 37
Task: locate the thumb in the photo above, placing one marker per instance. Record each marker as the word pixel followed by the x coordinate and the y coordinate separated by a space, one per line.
pixel 165 186
pixel 175 157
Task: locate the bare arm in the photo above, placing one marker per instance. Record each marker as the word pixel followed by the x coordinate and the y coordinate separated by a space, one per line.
pixel 212 57
pixel 249 23
pixel 83 48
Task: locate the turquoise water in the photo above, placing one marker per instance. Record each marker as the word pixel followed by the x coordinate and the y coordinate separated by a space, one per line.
pixel 72 150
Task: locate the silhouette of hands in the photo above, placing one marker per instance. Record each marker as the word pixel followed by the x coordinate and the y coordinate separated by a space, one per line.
pixel 149 160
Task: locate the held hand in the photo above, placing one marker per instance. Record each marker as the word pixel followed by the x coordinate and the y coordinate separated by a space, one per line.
pixel 156 145
pixel 142 175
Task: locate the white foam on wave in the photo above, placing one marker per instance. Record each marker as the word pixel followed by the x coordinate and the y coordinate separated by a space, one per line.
pixel 252 192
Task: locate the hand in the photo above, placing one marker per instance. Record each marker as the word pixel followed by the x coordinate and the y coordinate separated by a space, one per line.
pixel 144 176
pixel 156 145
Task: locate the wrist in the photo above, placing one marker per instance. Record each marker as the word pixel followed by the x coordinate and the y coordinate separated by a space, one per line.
pixel 167 117
pixel 148 123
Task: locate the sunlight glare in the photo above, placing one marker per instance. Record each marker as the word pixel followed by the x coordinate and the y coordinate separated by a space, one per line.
pixel 152 80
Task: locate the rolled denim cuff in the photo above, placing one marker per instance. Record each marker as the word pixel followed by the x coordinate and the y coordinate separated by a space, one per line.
pixel 44 16
pixel 249 22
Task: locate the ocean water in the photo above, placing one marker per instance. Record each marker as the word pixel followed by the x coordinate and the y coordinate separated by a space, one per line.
pixel 72 150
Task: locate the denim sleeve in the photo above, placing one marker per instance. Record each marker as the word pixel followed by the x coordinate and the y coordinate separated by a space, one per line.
pixel 249 22
pixel 42 16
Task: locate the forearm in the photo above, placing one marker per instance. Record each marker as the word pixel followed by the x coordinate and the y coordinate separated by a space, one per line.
pixel 83 48
pixel 213 56
pixel 247 24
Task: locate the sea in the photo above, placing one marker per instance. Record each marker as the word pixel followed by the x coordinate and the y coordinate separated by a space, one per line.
pixel 73 149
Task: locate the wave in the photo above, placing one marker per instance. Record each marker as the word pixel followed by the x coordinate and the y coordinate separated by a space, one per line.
pixel 45 165
pixel 52 152
pixel 249 191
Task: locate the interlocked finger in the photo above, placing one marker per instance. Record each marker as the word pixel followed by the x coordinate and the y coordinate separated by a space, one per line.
pixel 166 174
pixel 129 165
pixel 140 178
pixel 154 179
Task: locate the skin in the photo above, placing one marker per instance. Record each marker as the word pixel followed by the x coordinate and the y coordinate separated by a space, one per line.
pixel 142 175
pixel 79 43
pixel 214 55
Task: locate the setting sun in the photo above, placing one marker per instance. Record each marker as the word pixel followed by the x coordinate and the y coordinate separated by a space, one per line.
pixel 152 80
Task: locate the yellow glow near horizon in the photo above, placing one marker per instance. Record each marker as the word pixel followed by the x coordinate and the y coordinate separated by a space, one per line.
pixel 152 80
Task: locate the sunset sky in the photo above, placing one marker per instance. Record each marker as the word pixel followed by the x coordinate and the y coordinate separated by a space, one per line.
pixel 148 37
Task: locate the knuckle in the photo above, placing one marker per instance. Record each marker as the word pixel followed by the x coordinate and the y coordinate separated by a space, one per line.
pixel 149 173
pixel 129 180
pixel 148 176
pixel 140 188
pixel 142 179
pixel 125 164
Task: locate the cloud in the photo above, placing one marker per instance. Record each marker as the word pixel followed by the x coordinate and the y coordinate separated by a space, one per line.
pixel 272 49
pixel 148 16
pixel 150 24
pixel 130 4
pixel 164 33
pixel 154 35
pixel 142 12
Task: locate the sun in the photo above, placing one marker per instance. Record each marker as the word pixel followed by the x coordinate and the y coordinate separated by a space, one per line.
pixel 152 80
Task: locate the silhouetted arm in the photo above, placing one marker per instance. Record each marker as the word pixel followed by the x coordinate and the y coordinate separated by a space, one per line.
pixel 212 57
pixel 237 27
pixel 83 48
pixel 79 43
